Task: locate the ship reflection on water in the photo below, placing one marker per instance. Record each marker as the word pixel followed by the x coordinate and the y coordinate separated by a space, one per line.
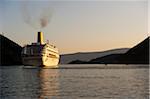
pixel 49 83
pixel 28 83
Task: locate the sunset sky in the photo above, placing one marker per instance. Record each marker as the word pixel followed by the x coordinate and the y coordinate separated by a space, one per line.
pixel 77 26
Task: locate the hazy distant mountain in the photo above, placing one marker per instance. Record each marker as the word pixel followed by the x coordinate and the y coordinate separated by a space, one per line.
pixel 78 62
pixel 108 59
pixel 10 52
pixel 139 54
pixel 87 56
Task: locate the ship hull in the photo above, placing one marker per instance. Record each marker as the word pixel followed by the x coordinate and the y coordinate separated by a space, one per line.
pixel 40 61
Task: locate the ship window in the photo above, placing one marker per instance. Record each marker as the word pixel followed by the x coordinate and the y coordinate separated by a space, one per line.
pixel 30 50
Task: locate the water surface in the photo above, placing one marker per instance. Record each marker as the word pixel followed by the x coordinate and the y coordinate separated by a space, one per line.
pixel 69 82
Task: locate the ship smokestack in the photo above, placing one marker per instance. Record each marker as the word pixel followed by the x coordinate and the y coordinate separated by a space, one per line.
pixel 40 38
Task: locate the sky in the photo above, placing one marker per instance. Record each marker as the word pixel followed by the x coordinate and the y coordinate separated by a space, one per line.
pixel 76 25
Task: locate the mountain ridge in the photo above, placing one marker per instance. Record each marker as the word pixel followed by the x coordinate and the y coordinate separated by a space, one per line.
pixel 10 52
pixel 87 56
pixel 138 54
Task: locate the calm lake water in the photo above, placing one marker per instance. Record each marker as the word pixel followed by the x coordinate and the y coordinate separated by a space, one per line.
pixel 20 82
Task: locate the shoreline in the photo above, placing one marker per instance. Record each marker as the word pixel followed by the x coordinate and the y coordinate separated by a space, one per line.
pixel 86 66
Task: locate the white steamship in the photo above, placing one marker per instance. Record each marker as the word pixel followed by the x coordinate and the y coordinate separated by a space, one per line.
pixel 40 53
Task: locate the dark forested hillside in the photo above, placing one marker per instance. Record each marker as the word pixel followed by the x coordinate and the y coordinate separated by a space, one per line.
pixel 139 54
pixel 10 52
